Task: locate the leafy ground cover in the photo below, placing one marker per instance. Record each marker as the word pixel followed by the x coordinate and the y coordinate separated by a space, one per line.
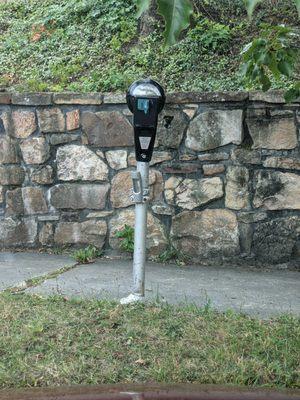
pixel 93 45
pixel 56 341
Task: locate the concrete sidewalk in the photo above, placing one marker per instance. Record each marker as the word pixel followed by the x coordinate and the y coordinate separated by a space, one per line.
pixel 263 293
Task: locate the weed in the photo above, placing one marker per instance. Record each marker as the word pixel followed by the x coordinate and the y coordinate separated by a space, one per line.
pixel 173 254
pixel 211 36
pixel 87 255
pixel 126 236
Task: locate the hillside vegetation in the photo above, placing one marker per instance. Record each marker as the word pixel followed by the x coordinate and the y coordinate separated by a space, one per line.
pixel 99 45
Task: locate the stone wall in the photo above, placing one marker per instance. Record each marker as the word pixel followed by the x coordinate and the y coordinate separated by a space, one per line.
pixel 225 174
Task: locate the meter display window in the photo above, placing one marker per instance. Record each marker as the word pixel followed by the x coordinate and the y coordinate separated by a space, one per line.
pixel 146 112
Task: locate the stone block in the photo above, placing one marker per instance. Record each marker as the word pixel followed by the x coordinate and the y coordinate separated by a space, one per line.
pixel 62 138
pixel 46 235
pixel 191 112
pixel 172 135
pixel 206 97
pixel 35 150
pixel 24 123
pixel 72 120
pixel 78 163
pixel 215 128
pixel 44 218
pixel 192 193
pixel 5 98
pixel 92 232
pixel 249 217
pixel 114 98
pixel 77 196
pixel 6 124
pixel 281 113
pixel 78 98
pixel 158 157
pixel 275 134
pixel 107 129
pixel 1 194
pixel 274 241
pixel 17 233
pixel 117 159
pixel 213 169
pixel 34 200
pixel 156 241
pixel 11 175
pixel 180 168
pixel 100 154
pixel 205 234
pixel 246 156
pixel 237 188
pixel 99 214
pixel 187 157
pixel 213 156
pixel 162 209
pixel 8 151
pixel 276 190
pixel 282 162
pixel 246 236
pixel 170 185
pixel 42 175
pixel 2 128
pixel 14 202
pixel 271 96
pixel 32 99
pixel 256 112
pixel 51 120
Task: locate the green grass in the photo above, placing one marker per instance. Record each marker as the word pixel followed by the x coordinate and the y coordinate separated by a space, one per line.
pixel 92 45
pixel 56 341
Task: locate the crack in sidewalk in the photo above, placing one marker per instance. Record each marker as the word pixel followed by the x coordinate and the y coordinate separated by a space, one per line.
pixel 38 280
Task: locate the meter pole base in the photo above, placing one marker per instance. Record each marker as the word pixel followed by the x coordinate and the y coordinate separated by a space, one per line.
pixel 132 298
pixel 140 230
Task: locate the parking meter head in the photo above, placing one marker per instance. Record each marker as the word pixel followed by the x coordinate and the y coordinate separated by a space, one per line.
pixel 145 88
pixel 145 99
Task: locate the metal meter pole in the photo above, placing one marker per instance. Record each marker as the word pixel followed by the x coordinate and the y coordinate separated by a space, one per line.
pixel 140 231
pixel 140 196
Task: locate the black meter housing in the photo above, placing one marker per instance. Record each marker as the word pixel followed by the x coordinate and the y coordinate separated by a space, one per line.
pixel 145 99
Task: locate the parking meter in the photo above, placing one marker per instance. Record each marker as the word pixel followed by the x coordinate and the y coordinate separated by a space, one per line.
pixel 145 99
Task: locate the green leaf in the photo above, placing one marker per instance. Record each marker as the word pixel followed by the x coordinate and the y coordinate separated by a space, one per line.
pixel 297 2
pixel 265 81
pixel 285 68
pixel 176 14
pixel 250 6
pixel 142 6
pixel 273 66
pixel 293 93
pixel 246 48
